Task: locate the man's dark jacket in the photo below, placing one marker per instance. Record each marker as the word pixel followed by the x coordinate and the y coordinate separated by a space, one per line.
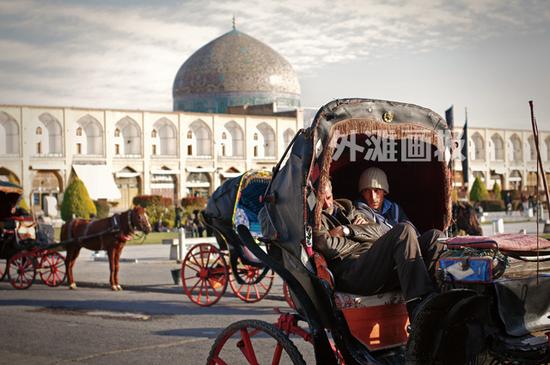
pixel 360 239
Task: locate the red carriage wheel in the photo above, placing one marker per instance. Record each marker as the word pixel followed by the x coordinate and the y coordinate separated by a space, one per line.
pixel 204 274
pixel 257 282
pixel 258 342
pixel 21 270
pixel 52 268
pixel 288 298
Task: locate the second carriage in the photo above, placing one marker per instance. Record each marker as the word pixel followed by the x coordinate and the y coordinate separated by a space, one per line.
pixel 207 269
pixel 26 248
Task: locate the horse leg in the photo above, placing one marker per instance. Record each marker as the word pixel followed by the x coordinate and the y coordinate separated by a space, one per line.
pixel 111 255
pixel 72 254
pixel 118 251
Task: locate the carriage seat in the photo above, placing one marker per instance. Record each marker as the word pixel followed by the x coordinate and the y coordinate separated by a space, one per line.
pixel 508 242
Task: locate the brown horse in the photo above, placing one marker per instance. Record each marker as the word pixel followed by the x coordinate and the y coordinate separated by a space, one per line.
pixel 465 219
pixel 109 234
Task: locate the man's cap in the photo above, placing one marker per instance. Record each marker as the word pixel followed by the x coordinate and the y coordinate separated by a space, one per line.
pixel 374 178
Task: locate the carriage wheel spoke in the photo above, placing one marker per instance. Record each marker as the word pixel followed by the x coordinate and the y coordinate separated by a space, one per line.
pixel 277 354
pixel 247 349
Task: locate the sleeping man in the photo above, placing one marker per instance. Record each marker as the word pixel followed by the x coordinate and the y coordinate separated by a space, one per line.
pixel 367 257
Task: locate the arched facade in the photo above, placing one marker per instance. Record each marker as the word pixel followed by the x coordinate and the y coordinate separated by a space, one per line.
pixel 48 136
pixel 516 148
pixel 234 144
pixel 127 137
pixel 9 135
pixel 164 138
pixel 532 155
pixel 199 184
pixel 128 182
pixel 88 136
pixel 266 141
pixel 497 147
pixel 199 139
pixel 478 147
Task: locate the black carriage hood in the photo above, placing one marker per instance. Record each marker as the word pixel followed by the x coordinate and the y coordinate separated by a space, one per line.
pixel 293 189
pixel 9 197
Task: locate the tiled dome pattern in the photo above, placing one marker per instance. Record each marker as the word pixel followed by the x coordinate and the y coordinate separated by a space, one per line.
pixel 236 64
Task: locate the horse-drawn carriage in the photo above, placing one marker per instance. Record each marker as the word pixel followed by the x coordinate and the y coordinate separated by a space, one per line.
pixel 28 248
pixel 206 269
pixel 485 311
pixel 25 246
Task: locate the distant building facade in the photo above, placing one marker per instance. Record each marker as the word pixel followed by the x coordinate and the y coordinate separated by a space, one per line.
pixel 506 156
pixel 235 108
pixel 173 154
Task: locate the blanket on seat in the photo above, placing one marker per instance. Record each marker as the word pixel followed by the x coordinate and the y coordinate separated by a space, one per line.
pixel 512 242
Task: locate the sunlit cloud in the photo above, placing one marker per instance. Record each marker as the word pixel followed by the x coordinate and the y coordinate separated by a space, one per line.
pixel 82 53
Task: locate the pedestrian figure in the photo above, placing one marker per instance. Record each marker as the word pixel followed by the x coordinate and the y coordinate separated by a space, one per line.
pixel 177 222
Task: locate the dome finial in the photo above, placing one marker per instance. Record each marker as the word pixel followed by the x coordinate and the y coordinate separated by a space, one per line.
pixel 234 23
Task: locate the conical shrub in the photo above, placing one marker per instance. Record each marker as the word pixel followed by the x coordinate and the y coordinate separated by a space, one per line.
pixel 76 202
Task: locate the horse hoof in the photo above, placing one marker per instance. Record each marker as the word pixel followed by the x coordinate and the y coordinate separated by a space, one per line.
pixel 114 288
pixel 119 287
pixel 72 286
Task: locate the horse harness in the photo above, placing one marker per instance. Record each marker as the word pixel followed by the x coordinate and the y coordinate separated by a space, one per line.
pixel 115 227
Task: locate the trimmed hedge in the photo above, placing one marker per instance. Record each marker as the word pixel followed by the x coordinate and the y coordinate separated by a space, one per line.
pixel 148 200
pixel 492 205
pixel 76 201
pixel 479 191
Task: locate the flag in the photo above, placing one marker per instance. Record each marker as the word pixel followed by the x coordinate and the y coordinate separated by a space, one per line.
pixel 449 117
pixel 465 149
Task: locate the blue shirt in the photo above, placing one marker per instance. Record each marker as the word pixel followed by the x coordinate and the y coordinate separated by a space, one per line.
pixel 390 214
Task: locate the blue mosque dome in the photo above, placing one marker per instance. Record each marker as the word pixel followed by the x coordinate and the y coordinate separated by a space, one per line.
pixel 235 69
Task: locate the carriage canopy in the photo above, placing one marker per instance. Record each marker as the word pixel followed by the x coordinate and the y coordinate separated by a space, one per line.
pixel 410 143
pixel 9 196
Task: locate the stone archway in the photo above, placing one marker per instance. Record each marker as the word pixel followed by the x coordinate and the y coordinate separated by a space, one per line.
pixel 128 182
pixel 164 182
pixel 46 185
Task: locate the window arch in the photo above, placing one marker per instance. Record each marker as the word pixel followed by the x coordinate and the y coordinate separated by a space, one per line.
pixel 532 148
pixel 165 137
pixel 38 131
pixel 9 135
pixel 51 138
pixel 91 136
pixel 129 136
pixel 201 141
pixel 478 142
pixel 516 148
pixel 189 134
pixel 224 135
pixel 267 141
pixel 497 149
pixel 117 132
pixel 79 131
pixel 235 145
pixel 154 133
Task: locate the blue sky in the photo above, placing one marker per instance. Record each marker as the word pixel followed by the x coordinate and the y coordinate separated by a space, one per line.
pixel 490 56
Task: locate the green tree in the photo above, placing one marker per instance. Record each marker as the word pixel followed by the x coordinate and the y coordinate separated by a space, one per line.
pixel 76 201
pixel 497 191
pixel 479 191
